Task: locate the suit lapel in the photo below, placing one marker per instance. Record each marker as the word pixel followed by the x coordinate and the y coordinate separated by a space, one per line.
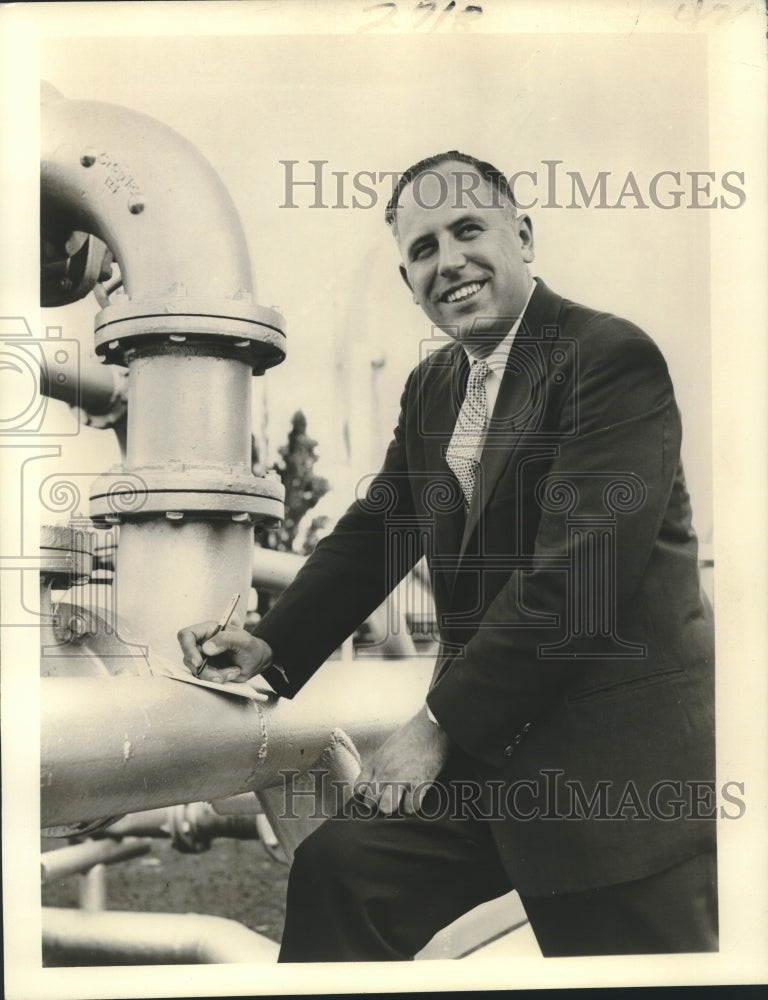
pixel 518 407
pixel 442 396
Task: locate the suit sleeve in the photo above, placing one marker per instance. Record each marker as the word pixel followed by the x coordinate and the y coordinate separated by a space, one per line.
pixel 345 579
pixel 627 437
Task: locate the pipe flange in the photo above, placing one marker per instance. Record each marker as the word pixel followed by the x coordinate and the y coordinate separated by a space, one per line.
pixel 229 492
pixel 254 334
pixel 66 554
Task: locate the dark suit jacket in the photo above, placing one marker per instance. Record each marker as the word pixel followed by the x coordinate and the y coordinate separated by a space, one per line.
pixel 575 676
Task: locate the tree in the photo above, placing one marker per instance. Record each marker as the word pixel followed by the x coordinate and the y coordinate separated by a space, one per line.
pixel 303 488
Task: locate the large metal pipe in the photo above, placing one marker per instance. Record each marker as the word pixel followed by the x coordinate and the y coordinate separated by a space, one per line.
pixel 171 573
pixel 208 421
pixel 75 937
pixel 293 814
pixel 274 571
pixel 191 334
pixel 158 742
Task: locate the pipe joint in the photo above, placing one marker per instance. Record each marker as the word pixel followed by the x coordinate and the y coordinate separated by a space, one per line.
pixel 245 331
pixel 219 492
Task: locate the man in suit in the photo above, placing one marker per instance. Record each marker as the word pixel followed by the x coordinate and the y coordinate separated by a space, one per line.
pixel 566 745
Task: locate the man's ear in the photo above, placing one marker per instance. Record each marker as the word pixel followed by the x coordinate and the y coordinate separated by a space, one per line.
pixel 524 228
pixel 404 276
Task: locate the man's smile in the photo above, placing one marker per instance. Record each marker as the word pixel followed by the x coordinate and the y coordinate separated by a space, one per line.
pixel 460 293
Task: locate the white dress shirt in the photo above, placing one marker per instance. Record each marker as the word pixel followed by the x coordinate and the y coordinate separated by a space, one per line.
pixel 497 362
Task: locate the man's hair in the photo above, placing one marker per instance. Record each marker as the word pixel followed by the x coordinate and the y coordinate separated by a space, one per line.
pixel 492 174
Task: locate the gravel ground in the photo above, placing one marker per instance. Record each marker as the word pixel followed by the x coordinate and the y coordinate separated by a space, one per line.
pixel 237 879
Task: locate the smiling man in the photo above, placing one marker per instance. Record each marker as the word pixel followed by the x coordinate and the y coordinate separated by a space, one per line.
pixel 565 747
pixel 465 257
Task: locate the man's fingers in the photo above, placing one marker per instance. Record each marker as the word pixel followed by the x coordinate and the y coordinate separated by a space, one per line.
pixel 190 639
pixel 188 642
pixel 235 648
pixel 412 800
pixel 408 803
pixel 363 786
pixel 389 800
pixel 215 646
pixel 374 791
pixel 220 675
pixel 414 797
pixel 230 639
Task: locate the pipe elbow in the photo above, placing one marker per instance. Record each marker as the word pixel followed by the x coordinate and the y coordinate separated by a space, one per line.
pixel 149 194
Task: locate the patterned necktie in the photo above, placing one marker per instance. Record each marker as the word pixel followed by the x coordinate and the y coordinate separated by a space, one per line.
pixel 469 430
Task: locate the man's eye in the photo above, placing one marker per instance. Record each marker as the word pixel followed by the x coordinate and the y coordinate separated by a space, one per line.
pixel 469 229
pixel 423 251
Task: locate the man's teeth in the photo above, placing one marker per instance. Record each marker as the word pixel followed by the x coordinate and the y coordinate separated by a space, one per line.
pixel 464 292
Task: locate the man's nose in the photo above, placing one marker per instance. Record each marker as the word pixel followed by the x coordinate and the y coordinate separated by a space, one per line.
pixel 451 256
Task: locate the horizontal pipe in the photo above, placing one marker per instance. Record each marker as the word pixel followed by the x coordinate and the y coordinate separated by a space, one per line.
pixel 148 823
pixel 77 381
pixel 120 744
pixel 191 827
pixel 74 858
pixel 274 571
pixel 75 937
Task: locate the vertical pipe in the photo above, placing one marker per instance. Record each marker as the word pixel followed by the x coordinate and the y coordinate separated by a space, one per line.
pixel 191 335
pixel 193 408
pixel 92 889
pixel 172 573
pixel 188 409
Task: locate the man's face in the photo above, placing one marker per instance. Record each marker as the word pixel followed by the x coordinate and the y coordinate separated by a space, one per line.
pixel 464 253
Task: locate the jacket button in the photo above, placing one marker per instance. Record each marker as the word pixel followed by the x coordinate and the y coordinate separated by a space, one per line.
pixel 517 739
pixel 508 751
pixel 526 727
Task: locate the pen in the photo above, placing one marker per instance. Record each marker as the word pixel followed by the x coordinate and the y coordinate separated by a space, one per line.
pixel 223 622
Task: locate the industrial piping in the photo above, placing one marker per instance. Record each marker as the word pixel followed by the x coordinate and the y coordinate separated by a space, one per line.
pixel 189 331
pixel 77 858
pixel 191 335
pixel 118 938
pixel 162 742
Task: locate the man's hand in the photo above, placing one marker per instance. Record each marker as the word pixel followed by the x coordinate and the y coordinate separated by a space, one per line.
pixel 242 655
pixel 403 767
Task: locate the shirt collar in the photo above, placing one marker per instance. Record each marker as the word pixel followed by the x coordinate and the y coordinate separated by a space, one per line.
pixel 497 359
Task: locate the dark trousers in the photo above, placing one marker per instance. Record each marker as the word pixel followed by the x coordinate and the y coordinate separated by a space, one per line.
pixel 376 888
